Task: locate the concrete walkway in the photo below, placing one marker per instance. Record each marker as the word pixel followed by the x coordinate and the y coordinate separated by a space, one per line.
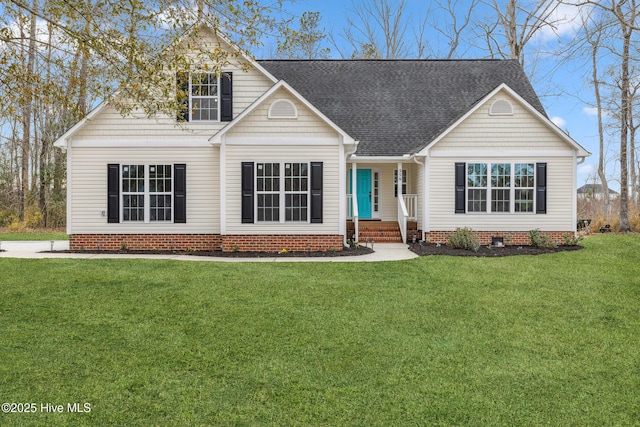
pixel 37 249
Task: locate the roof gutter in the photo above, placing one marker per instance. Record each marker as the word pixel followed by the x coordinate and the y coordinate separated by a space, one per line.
pixel 381 159
pixel 351 153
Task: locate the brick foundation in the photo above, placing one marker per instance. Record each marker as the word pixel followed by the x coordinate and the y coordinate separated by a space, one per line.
pixel 205 242
pixel 150 242
pixel 277 242
pixel 510 237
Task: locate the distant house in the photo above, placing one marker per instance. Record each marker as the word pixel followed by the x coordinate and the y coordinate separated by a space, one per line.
pixel 594 191
pixel 305 155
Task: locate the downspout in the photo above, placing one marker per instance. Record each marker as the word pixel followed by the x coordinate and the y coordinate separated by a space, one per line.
pixel 69 186
pixel 346 175
pixel 575 196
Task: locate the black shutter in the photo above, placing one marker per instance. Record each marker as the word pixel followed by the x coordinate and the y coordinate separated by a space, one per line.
pixel 182 96
pixel 113 193
pixel 226 95
pixel 180 193
pixel 460 187
pixel 541 188
pixel 247 193
pixel 316 192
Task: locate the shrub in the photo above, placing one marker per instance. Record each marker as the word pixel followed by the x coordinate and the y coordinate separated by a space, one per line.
pixel 540 241
pixel 571 240
pixel 33 217
pixel 17 226
pixel 464 238
pixel 7 218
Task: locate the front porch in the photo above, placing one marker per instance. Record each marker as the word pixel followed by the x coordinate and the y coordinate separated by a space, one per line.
pixel 374 210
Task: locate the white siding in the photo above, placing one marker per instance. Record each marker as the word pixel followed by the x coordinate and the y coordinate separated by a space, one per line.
pixel 520 132
pixel 304 139
pixel 559 216
pixel 482 138
pixel 89 189
pixel 328 154
pixel 258 124
pixel 248 85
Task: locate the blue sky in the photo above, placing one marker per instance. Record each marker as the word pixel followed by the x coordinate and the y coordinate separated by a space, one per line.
pixel 563 87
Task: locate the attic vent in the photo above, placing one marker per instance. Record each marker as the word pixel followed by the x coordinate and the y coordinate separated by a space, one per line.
pixel 283 109
pixel 501 107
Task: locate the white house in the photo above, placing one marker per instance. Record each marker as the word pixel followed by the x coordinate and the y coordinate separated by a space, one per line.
pixel 307 154
pixel 595 191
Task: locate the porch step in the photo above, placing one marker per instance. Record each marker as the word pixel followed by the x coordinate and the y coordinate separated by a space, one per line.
pixel 378 231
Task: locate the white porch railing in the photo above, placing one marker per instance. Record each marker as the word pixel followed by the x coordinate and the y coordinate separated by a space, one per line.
pixel 411 203
pixel 352 213
pixel 403 217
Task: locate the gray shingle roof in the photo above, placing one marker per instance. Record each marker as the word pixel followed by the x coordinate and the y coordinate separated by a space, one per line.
pixel 396 107
pixel 594 189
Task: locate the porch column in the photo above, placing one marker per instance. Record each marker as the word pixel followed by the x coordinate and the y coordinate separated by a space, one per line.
pixel 425 198
pixel 354 197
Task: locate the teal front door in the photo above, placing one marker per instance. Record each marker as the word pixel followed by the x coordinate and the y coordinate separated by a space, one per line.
pixel 363 191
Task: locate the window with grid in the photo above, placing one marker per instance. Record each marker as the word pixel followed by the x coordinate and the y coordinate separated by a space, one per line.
pixel 160 192
pixel 376 191
pixel 395 182
pixel 147 193
pixel 133 185
pixel 524 183
pixel 268 191
pixel 500 187
pixel 296 191
pixel 204 97
pixel 476 187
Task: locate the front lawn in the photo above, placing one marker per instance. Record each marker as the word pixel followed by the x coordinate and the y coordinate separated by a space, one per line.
pixel 517 341
pixel 6 235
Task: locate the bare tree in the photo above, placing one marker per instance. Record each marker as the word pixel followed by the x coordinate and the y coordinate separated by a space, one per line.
pixel 375 29
pixel 515 25
pixel 386 29
pixel 459 17
pixel 626 14
pixel 594 33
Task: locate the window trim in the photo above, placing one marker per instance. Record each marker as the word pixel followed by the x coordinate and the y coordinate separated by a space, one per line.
pixel 218 97
pixel 489 188
pixel 146 194
pixel 282 193
pixel 405 182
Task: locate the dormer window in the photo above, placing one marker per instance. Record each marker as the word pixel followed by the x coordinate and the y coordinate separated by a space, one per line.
pixel 204 97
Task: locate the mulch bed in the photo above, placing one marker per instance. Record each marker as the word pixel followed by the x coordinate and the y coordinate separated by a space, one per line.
pixel 346 251
pixel 486 251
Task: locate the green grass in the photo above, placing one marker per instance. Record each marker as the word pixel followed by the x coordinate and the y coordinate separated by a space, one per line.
pixel 520 341
pixel 34 236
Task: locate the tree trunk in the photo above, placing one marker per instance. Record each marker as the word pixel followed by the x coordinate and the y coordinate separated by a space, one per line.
pixel 624 131
pixel 606 208
pixel 26 113
pixel 633 178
